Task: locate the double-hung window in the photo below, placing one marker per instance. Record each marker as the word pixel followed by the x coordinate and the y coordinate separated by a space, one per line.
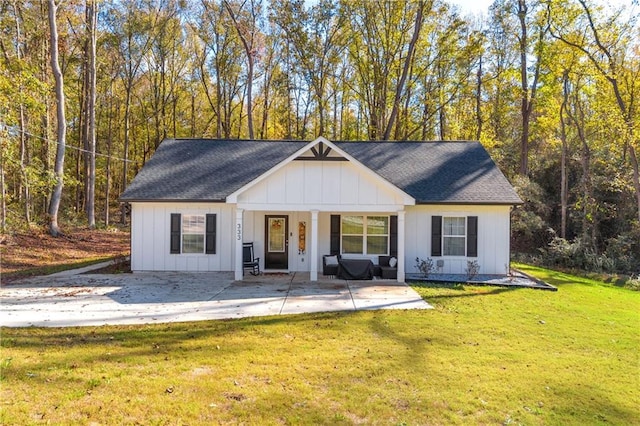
pixel 365 234
pixel 193 233
pixel 454 236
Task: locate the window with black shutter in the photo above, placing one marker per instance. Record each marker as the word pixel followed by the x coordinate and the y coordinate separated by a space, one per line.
pixel 192 233
pixel 176 223
pixel 436 235
pixel 210 234
pixel 393 236
pixel 334 247
pixel 472 236
pixel 454 236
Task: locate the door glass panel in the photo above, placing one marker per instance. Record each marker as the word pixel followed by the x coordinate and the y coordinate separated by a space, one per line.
pixel 277 235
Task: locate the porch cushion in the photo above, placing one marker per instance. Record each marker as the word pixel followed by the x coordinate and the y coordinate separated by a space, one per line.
pixel 331 260
pixel 383 260
pixel 389 273
pixel 330 269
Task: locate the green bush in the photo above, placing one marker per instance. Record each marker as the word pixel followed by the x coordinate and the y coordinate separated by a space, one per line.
pixel 633 283
pixel 617 258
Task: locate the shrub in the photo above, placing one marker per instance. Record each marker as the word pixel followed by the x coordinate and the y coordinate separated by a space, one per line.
pixel 620 251
pixel 424 266
pixel 633 283
pixel 617 258
pixel 472 270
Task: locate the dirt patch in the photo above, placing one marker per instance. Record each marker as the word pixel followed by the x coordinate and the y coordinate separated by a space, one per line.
pixel 119 265
pixel 23 252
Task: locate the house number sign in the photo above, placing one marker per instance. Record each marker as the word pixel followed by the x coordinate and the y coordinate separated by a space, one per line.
pixel 239 231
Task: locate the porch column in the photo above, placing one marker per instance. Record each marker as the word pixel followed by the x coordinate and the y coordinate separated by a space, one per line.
pixel 313 254
pixel 237 233
pixel 401 258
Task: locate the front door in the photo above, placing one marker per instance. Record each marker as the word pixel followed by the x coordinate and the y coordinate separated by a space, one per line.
pixel 277 238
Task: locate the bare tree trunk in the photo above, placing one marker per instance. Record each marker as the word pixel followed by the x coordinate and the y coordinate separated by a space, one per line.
pixel 46 116
pixel 289 101
pixel 56 196
pixel 108 171
pixel 24 161
pixel 405 71
pixel 564 189
pixel 267 84
pixel 24 155
pixel 125 162
pixel 524 87
pixel 249 50
pixel 589 228
pixel 3 194
pixel 479 100
pixel 636 175
pixel 92 17
pixel 528 94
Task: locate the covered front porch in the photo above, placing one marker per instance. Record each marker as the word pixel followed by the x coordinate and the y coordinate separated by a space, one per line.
pixel 296 241
pixel 295 213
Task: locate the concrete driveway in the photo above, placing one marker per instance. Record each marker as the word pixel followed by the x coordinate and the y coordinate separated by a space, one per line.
pixel 142 298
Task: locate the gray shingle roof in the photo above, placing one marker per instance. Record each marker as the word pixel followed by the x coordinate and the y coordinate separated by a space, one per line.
pixel 430 172
pixel 437 172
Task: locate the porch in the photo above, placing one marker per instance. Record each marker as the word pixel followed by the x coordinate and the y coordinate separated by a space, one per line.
pixel 295 241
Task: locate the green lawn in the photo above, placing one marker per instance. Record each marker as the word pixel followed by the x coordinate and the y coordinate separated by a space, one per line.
pixel 485 355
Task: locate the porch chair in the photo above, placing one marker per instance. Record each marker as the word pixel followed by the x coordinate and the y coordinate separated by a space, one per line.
pixel 330 264
pixel 387 268
pixel 248 261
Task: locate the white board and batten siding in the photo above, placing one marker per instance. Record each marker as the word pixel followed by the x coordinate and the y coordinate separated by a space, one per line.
pixel 150 238
pixel 254 231
pixel 331 187
pixel 493 237
pixel 324 186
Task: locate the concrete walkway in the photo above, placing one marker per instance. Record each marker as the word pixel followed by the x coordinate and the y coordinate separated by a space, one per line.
pixel 142 298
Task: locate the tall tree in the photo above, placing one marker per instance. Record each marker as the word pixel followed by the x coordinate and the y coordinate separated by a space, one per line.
pixel 133 28
pixel 408 60
pixel 90 110
pixel 56 196
pixel 607 49
pixel 313 35
pixel 246 24
pixel 528 90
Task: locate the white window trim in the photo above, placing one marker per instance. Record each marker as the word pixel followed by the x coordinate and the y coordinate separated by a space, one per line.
pixel 464 236
pixel 365 235
pixel 182 234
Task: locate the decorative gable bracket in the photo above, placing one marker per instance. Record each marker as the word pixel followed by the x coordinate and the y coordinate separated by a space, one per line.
pixel 321 153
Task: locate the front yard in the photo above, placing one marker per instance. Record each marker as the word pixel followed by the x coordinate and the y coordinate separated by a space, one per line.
pixel 484 355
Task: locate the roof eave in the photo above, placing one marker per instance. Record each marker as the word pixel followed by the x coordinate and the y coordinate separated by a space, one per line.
pixel 170 200
pixel 470 203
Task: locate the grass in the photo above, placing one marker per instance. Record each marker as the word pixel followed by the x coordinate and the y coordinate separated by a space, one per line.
pixel 485 355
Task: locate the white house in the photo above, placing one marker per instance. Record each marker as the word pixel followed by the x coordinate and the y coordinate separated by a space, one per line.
pixel 196 201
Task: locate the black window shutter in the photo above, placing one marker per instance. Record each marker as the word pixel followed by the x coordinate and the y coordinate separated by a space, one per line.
pixel 472 236
pixel 436 235
pixel 335 234
pixel 393 236
pixel 210 234
pixel 176 222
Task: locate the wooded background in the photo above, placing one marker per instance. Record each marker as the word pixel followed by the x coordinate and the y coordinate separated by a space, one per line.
pixel 549 87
